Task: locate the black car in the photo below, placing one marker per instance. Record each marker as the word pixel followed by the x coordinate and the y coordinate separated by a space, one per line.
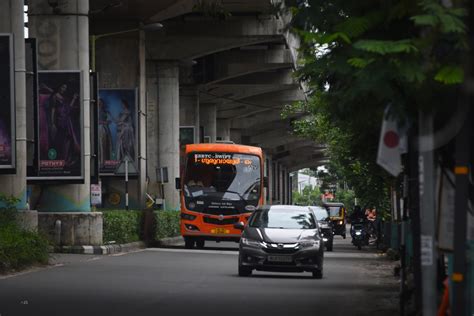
pixel 325 224
pixel 281 238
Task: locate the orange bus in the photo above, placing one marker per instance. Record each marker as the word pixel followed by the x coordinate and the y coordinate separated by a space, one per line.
pixel 221 184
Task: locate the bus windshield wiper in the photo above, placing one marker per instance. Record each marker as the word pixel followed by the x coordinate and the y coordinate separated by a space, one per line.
pixel 237 193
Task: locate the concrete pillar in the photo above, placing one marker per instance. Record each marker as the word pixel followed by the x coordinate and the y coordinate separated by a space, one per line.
pixel 152 133
pixel 12 21
pixel 62 33
pixel 280 184
pixel 189 109
pixel 208 119
pixel 142 120
pixel 120 62
pixel 223 129
pixel 236 135
pixel 168 127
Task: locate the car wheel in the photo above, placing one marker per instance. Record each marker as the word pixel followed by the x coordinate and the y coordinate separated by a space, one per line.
pixel 244 271
pixel 189 242
pixel 200 243
pixel 318 274
pixel 329 247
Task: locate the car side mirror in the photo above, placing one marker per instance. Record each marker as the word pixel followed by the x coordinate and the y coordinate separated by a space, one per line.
pixel 177 183
pixel 265 182
pixel 239 225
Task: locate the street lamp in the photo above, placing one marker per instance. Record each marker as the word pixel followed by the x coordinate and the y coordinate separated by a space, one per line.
pixel 93 38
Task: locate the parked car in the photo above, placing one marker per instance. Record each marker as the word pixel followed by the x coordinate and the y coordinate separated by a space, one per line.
pixel 281 238
pixel 325 224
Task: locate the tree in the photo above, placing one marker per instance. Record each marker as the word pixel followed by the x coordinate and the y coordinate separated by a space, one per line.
pixel 360 56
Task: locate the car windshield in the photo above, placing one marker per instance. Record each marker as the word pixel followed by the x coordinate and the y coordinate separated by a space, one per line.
pixel 321 213
pixel 283 218
pixel 334 210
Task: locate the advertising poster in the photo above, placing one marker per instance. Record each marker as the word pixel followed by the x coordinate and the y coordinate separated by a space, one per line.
pixel 7 114
pixel 117 128
pixel 60 125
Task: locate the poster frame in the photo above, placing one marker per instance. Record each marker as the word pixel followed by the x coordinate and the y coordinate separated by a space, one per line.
pixel 71 179
pixel 11 168
pixel 94 123
pixel 137 129
pixel 32 170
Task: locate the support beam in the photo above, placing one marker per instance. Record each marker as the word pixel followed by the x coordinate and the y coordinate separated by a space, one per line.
pixel 12 21
pixel 67 38
pixel 168 114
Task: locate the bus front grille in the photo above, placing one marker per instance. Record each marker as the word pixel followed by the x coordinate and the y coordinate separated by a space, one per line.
pixel 216 221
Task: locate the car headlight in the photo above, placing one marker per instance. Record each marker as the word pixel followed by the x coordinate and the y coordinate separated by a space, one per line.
pixel 340 222
pixel 358 233
pixel 250 242
pixel 310 244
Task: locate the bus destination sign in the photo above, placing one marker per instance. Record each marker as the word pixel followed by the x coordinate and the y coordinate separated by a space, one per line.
pixel 220 159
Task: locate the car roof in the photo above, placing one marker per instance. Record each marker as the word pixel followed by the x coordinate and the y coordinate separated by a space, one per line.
pixel 333 204
pixel 285 207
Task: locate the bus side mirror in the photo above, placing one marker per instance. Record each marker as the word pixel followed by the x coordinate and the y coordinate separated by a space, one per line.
pixel 177 183
pixel 265 182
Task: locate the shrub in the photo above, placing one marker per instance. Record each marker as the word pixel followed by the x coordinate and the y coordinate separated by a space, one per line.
pixel 18 247
pixel 167 224
pixel 122 226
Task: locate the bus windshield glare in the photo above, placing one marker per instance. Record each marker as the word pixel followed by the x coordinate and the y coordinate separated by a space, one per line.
pixel 221 183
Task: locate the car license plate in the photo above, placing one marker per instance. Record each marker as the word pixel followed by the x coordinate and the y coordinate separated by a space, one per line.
pixel 220 231
pixel 280 259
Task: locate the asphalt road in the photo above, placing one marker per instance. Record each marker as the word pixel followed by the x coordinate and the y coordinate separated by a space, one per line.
pixel 194 282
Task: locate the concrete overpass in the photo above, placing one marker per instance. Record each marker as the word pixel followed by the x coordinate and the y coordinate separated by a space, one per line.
pixel 224 67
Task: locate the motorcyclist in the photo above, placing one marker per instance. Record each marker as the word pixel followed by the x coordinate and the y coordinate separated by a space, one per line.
pixel 371 216
pixel 357 214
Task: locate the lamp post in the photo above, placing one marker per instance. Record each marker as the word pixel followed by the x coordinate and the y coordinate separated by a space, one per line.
pixel 94 38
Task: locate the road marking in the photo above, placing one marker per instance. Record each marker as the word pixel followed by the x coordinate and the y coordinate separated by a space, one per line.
pixel 218 252
pixel 126 253
pixel 332 255
pixel 32 270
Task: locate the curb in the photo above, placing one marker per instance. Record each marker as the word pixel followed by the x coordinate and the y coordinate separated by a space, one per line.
pixel 171 241
pixel 101 250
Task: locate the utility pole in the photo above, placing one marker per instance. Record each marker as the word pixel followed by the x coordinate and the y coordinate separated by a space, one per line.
pixel 428 253
pixel 414 210
pixel 461 171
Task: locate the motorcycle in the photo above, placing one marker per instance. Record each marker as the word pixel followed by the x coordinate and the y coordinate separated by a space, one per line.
pixel 360 236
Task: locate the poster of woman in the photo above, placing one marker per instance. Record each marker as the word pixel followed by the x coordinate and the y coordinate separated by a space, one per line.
pixel 117 127
pixel 60 124
pixel 7 117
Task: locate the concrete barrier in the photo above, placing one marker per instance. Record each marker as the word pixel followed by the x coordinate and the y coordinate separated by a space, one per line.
pixel 76 229
pixel 28 220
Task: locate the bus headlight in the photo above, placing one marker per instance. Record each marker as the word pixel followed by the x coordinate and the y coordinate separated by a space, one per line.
pixel 188 217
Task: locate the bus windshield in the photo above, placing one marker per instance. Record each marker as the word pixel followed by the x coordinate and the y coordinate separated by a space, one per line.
pixel 221 183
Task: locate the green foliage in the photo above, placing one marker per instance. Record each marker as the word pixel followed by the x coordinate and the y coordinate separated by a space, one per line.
pixel 19 248
pixel 309 196
pixel 386 47
pixel 167 224
pixel 357 57
pixel 345 196
pixel 122 226
pixel 450 75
